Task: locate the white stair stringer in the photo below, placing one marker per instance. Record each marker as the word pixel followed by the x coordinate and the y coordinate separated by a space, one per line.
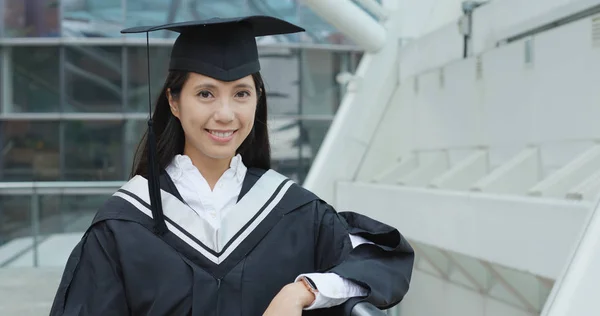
pixel 575 172
pixel 491 227
pixel 347 141
pixel 589 189
pixel 398 170
pixel 428 168
pixel 464 173
pixel 514 176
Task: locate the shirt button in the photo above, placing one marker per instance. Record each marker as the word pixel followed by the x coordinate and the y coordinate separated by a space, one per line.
pixel 213 214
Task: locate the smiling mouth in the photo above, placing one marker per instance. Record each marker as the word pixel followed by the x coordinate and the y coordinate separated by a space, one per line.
pixel 220 134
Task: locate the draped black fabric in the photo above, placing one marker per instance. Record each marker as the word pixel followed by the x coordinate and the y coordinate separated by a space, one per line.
pixel 121 267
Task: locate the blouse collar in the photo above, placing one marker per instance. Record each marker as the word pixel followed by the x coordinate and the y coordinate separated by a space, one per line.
pixel 182 164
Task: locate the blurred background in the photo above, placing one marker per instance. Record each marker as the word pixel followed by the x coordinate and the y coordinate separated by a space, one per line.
pixel 469 125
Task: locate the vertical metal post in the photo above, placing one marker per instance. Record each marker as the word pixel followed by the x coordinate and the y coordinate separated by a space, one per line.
pixel 301 175
pixel 2 19
pixel 6 74
pixel 124 13
pixel 2 101
pixel 62 93
pixel 35 224
pixel 124 100
pixel 61 15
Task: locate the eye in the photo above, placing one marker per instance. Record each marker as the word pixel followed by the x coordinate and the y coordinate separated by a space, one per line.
pixel 243 94
pixel 205 94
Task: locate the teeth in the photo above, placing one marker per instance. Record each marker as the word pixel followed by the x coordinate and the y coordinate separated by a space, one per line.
pixel 221 134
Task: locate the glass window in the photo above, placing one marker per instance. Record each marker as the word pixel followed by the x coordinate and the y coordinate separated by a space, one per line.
pixel 29 151
pixel 152 12
pixel 320 91
pixel 279 68
pixel 137 84
pixel 93 79
pixel 317 30
pixel 31 18
pixel 93 150
pixel 294 144
pixel 202 9
pixel 92 18
pixel 315 131
pixel 134 130
pixel 155 12
pixel 15 223
pixel 68 213
pixel 284 9
pixel 34 86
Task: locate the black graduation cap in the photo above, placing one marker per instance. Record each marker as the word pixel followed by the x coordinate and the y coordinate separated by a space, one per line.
pixel 220 48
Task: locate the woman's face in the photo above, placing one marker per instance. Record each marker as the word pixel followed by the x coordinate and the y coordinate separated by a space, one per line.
pixel 216 116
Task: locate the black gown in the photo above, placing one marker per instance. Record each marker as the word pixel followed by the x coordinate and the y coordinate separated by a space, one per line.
pixel 277 231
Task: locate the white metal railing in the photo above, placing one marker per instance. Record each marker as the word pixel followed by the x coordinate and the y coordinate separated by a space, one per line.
pixel 36 189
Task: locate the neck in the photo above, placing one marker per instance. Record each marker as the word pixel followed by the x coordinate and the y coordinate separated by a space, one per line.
pixel 211 168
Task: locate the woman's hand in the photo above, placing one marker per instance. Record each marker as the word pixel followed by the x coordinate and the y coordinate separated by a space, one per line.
pixel 290 301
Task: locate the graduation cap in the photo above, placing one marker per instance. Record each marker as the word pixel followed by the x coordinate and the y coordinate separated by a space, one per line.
pixel 221 48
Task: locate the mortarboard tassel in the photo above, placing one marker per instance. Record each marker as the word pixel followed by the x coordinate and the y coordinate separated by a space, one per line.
pixel 153 173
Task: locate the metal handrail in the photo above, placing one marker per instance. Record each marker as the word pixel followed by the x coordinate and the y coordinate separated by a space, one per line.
pixel 366 309
pixel 60 187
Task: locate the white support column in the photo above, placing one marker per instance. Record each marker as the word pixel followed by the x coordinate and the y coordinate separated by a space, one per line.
pixel 375 8
pixel 351 20
pixel 513 177
pixel 576 290
pixel 347 141
pixel 575 172
pixel 464 174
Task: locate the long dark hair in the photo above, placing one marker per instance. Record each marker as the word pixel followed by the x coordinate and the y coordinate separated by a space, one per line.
pixel 255 149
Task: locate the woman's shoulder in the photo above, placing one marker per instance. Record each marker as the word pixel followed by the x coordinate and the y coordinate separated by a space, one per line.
pixel 296 195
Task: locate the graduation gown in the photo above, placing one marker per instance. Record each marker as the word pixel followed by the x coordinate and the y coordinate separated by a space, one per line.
pixel 277 231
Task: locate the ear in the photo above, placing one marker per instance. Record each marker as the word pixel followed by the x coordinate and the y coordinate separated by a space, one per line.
pixel 173 104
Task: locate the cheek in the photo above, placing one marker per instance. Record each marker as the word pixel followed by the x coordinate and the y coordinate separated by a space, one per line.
pixel 246 118
pixel 192 117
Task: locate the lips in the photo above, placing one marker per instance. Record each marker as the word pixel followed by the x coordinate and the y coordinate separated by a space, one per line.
pixel 221 136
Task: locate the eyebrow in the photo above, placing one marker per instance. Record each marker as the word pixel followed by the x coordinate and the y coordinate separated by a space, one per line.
pixel 212 86
pixel 244 85
pixel 205 86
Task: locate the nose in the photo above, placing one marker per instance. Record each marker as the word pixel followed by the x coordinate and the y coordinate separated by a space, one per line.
pixel 224 112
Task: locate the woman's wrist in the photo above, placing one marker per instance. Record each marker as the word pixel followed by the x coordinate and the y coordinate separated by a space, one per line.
pixel 305 295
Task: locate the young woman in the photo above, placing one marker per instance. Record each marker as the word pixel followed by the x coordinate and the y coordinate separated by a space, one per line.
pixel 205 227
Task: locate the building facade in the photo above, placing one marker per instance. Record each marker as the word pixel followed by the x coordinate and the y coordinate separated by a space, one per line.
pixel 74 91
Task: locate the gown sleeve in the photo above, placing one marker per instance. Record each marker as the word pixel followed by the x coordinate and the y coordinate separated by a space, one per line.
pixel 91 282
pixel 382 264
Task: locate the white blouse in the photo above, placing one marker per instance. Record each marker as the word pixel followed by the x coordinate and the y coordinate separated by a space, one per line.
pixel 212 205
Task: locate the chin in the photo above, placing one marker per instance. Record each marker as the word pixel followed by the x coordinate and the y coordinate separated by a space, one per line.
pixel 219 154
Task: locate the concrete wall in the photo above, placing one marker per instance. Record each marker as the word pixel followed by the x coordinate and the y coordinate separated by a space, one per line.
pixel 502 99
pixel 431 296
